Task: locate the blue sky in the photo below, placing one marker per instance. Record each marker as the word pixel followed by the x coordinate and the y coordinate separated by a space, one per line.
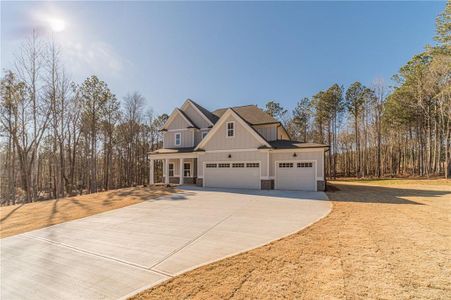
pixel 225 54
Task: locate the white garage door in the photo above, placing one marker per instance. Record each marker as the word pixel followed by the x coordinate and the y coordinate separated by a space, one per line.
pixel 244 175
pixel 295 175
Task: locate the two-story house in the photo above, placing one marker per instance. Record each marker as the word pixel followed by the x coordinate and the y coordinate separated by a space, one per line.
pixel 236 147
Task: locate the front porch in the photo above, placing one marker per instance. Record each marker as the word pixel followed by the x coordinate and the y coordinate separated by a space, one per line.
pixel 173 169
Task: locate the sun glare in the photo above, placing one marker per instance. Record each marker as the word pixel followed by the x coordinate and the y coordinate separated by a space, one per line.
pixel 57 25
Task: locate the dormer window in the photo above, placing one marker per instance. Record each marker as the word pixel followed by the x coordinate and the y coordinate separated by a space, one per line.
pixel 230 126
pixel 178 139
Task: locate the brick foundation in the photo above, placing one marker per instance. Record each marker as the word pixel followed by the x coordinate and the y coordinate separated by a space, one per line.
pixel 321 185
pixel 267 184
pixel 189 180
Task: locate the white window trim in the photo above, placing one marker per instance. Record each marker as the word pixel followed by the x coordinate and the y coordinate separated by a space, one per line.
pixel 180 139
pixel 190 169
pixel 227 129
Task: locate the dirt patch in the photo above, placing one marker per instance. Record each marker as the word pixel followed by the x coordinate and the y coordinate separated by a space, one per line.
pixel 378 242
pixel 17 219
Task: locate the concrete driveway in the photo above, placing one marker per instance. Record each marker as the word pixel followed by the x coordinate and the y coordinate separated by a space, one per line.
pixel 117 253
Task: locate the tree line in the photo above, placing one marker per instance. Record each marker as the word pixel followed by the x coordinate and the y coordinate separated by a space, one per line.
pixel 61 138
pixel 377 130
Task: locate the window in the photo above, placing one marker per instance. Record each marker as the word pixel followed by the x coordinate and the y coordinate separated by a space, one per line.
pixel 223 165
pixel 210 165
pixel 171 170
pixel 238 165
pixel 204 133
pixel 252 165
pixel 230 129
pixel 305 165
pixel 178 139
pixel 186 170
pixel 285 165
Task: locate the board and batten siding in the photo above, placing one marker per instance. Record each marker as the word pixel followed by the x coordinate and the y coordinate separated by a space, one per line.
pixel 195 117
pixel 187 139
pixel 178 123
pixel 247 156
pixel 288 156
pixel 243 139
pixel 269 132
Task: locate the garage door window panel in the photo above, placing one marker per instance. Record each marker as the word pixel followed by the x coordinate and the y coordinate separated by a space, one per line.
pixel 285 165
pixel 252 165
pixel 223 165
pixel 238 165
pixel 211 165
pixel 305 165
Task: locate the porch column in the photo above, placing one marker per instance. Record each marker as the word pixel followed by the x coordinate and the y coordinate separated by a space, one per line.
pixel 166 171
pixel 151 173
pixel 181 170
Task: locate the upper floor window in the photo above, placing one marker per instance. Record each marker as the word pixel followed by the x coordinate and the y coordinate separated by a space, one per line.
pixel 204 134
pixel 178 139
pixel 230 129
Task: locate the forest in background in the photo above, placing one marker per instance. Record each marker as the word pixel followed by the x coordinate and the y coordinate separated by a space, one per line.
pixel 60 138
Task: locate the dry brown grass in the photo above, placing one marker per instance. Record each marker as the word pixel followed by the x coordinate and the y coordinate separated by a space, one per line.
pixel 17 219
pixel 377 243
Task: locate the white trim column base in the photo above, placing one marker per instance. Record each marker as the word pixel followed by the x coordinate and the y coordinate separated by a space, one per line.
pixel 152 172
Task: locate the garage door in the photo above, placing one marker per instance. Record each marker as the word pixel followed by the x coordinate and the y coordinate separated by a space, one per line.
pixel 244 175
pixel 295 175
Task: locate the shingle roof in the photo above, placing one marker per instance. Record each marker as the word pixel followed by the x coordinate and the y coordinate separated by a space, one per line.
pixel 173 150
pixel 250 113
pixel 213 118
pixel 286 144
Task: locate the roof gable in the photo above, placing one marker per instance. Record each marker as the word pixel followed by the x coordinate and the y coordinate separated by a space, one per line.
pixel 178 116
pixel 246 136
pixel 201 111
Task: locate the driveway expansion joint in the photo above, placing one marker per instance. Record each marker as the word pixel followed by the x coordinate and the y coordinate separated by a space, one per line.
pixel 96 254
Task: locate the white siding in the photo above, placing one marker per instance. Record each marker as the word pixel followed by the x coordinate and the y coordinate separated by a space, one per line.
pixel 257 156
pixel 195 117
pixel 243 139
pixel 178 123
pixel 187 139
pixel 269 132
pixel 288 156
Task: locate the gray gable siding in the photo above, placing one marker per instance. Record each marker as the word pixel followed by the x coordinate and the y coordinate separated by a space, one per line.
pixel 243 139
pixel 269 132
pixel 178 123
pixel 195 117
pixel 187 139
